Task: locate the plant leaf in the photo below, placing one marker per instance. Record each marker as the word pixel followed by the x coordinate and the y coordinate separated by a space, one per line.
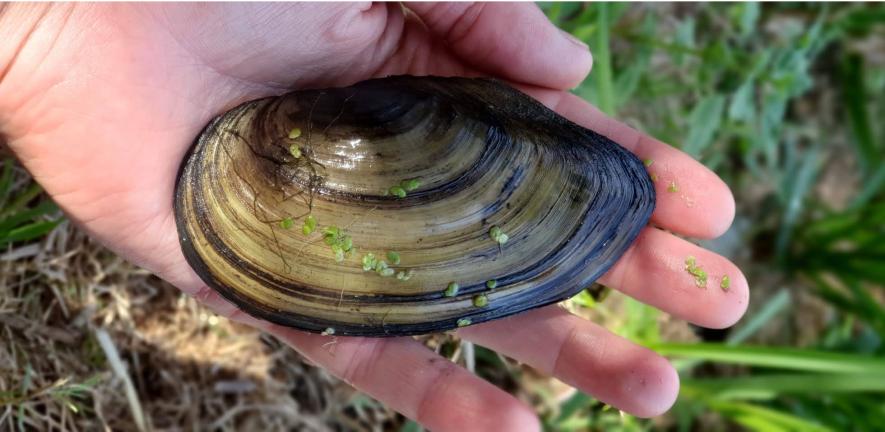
pixel 703 122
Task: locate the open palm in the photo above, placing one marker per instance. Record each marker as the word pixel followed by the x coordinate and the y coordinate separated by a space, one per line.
pixel 101 102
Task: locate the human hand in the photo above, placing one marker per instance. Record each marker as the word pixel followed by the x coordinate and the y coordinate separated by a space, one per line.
pixel 101 102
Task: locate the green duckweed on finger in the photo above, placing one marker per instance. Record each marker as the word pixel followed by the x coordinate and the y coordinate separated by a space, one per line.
pixel 699 274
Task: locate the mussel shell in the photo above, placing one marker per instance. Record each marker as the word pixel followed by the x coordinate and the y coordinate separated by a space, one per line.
pixel 483 155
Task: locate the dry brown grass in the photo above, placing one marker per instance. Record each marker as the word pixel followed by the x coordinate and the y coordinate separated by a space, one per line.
pixel 191 370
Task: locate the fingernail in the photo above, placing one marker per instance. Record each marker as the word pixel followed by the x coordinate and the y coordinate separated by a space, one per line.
pixel 571 38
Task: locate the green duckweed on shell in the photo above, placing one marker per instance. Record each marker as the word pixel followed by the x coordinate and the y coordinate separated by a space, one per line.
pixel 446 172
pixel 369 262
pixel 309 225
pixel 295 151
pixel 286 223
pixel 452 289
pixel 404 275
pixel 498 235
pixel 410 184
pixel 480 300
pixel 397 191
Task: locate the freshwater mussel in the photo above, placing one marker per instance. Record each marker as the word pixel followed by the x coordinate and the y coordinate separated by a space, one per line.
pixel 404 205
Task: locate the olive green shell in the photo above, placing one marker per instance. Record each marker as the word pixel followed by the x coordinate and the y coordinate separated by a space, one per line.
pixel 424 167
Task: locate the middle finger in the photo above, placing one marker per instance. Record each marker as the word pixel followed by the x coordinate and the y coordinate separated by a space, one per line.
pixel 680 278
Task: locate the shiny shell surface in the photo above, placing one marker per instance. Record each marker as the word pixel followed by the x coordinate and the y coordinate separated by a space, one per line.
pixel 404 205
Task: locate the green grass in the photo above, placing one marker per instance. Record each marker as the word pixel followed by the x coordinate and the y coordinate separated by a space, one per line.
pixel 27 400
pixel 24 216
pixel 778 358
pixel 770 96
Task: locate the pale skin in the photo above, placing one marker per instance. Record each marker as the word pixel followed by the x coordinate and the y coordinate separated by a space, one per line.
pixel 100 103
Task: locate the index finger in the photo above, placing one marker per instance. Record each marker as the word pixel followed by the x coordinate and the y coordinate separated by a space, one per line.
pixel 515 41
pixel 691 199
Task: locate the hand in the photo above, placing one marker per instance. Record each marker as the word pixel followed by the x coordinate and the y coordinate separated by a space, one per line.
pixel 100 103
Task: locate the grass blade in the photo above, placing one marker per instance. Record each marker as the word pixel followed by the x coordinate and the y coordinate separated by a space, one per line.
pixel 5 182
pixel 742 105
pixel 22 200
pixel 760 418
pixel 796 188
pixel 703 123
pixel 602 63
pixel 773 307
pixel 113 357
pixel 28 232
pixel 855 103
pixel 781 358
pixel 871 188
pixel 771 386
pixel 42 209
